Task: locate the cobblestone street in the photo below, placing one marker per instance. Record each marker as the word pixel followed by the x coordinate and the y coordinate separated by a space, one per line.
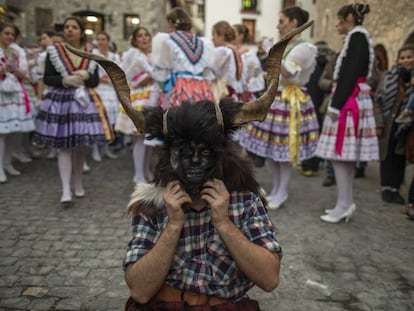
pixel 69 258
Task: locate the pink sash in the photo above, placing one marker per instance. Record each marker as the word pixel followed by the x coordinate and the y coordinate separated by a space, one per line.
pixel 352 106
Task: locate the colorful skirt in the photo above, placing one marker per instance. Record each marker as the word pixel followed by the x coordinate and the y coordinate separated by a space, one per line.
pixel 357 146
pixel 110 101
pixel 64 123
pixel 186 88
pixel 15 113
pixel 271 138
pixel 140 98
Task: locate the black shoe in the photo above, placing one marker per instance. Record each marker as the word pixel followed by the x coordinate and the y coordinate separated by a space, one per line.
pixel 398 199
pixel 328 181
pixel 388 196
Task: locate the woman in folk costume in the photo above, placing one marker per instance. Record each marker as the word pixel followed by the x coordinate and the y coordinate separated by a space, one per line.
pixel 228 66
pixel 182 62
pixel 15 110
pixel 71 115
pixel 252 73
pixel 137 64
pixel 289 133
pixel 106 91
pixel 348 133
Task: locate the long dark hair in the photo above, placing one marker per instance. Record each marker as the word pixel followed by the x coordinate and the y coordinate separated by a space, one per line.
pixel 358 11
pixel 295 12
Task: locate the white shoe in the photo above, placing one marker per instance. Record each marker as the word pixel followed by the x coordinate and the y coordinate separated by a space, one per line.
pixel 86 168
pixel 96 156
pixel 80 194
pixel 347 215
pixel 22 158
pixel 52 154
pixel 3 177
pixel 66 198
pixel 110 155
pixel 11 170
pixel 328 210
pixel 274 206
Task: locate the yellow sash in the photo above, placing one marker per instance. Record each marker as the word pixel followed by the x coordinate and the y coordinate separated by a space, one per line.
pixel 295 96
pixel 109 134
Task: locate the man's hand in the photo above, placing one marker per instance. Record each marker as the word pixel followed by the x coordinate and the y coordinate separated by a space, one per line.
pixel 215 193
pixel 174 197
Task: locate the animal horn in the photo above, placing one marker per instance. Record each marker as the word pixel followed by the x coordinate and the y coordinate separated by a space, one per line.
pixel 120 84
pixel 256 110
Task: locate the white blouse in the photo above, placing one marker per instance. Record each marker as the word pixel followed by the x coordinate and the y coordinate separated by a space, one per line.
pixel 168 57
pixel 225 68
pixel 300 63
pixel 252 75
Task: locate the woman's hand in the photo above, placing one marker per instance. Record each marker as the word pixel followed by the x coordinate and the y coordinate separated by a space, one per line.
pixel 174 198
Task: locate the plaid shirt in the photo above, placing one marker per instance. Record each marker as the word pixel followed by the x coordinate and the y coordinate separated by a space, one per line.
pixel 202 262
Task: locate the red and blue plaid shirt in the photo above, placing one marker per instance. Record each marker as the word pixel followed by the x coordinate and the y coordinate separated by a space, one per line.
pixel 202 262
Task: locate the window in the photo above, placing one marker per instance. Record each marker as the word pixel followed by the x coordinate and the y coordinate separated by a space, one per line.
pixel 94 22
pixel 44 20
pixel 131 22
pixel 249 6
pixel 251 25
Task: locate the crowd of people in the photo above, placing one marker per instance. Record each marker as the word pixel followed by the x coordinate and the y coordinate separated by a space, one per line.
pixel 341 108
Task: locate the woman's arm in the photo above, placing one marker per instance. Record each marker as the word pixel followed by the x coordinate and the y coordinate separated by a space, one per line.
pixel 354 65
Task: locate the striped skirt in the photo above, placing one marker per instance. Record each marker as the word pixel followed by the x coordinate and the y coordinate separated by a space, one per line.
pixel 270 138
pixel 186 88
pixel 63 123
pixel 140 98
pixel 357 146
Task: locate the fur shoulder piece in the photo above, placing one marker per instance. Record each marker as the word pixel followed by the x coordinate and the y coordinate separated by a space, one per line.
pixel 146 199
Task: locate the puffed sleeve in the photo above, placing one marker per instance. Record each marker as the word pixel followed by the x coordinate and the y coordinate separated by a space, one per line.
pixel 300 58
pixel 354 64
pixel 161 56
pixel 208 56
pixel 220 60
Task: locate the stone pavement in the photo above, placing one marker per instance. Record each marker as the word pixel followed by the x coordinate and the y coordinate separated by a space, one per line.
pixel 55 258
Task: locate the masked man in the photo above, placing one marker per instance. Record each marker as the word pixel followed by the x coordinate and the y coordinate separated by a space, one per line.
pixel 201 234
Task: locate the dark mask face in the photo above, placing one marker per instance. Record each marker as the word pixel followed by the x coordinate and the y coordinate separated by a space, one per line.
pixel 193 163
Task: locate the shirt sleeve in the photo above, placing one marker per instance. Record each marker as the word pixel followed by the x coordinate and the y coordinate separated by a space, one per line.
pixel 354 65
pixel 258 227
pixel 161 57
pixel 51 76
pixel 144 236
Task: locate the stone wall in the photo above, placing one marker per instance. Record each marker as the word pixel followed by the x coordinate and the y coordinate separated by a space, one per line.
pixel 389 22
pixel 151 12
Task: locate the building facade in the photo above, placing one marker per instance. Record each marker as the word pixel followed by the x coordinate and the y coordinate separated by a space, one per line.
pixel 389 22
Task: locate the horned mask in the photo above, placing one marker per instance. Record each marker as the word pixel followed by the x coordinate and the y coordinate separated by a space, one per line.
pixel 205 121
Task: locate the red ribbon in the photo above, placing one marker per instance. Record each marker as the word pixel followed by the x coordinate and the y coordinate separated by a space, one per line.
pixel 351 105
pixel 25 97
